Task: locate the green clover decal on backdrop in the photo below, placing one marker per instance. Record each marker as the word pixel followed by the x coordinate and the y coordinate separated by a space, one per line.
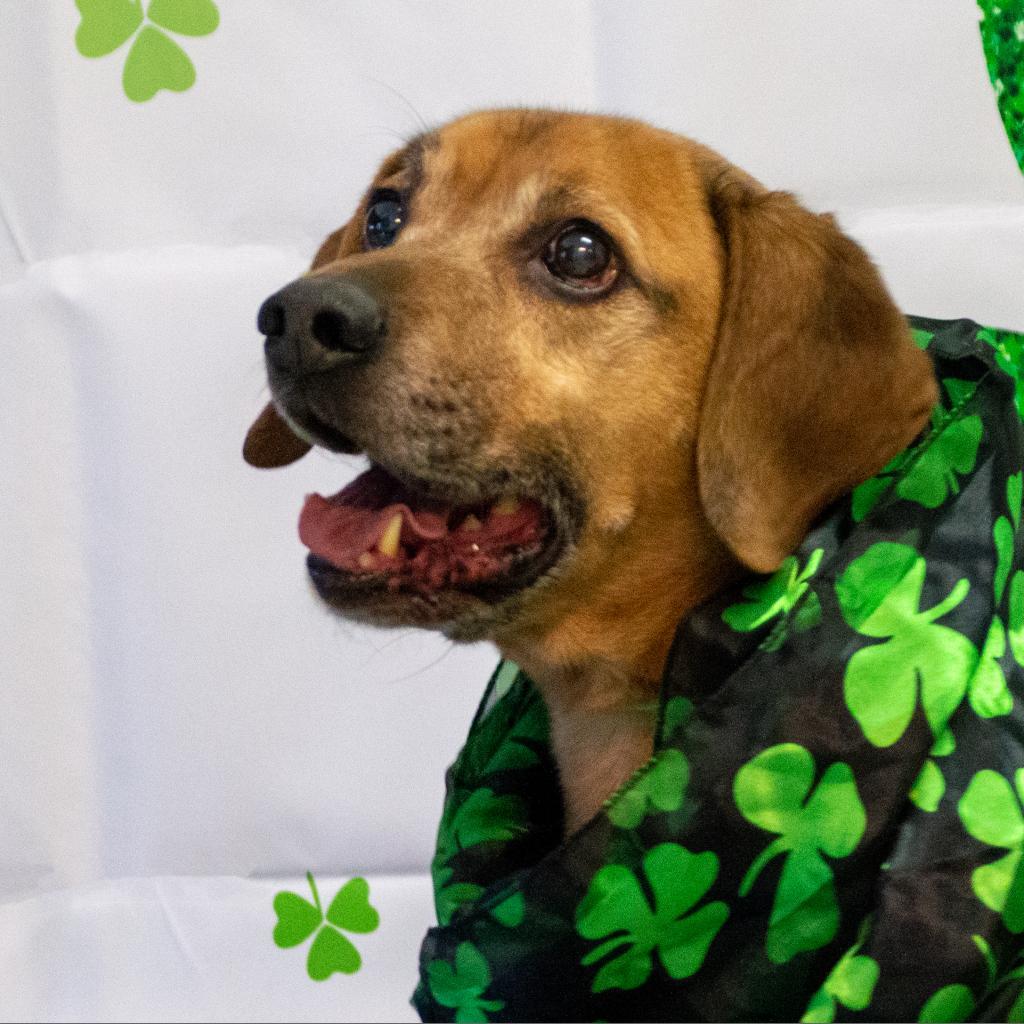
pixel 991 813
pixel 851 983
pixel 462 986
pixel 777 596
pixel 880 596
pixel 616 905
pixel 776 792
pixel 155 61
pixel 331 951
pixel 934 471
pixel 659 788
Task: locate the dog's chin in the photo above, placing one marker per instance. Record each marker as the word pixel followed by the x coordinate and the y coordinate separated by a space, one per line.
pixel 392 550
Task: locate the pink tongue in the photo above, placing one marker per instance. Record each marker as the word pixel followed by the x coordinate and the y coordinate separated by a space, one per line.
pixel 346 529
pixel 351 522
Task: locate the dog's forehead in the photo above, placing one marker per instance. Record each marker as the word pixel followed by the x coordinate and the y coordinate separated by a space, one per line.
pixel 514 158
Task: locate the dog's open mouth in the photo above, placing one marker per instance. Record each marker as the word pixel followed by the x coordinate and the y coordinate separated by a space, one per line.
pixel 378 533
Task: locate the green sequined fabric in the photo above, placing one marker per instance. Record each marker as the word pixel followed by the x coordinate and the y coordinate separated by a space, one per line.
pixel 1002 34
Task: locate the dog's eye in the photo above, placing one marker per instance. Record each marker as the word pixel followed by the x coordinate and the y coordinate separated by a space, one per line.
pixel 384 219
pixel 581 256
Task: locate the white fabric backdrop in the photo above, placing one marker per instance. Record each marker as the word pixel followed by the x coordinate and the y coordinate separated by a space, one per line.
pixel 183 731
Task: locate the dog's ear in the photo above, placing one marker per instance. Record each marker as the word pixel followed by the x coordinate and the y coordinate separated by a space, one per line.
pixel 270 442
pixel 815 382
pixel 330 248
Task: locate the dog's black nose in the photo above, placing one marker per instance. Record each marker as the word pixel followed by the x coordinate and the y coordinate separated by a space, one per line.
pixel 318 323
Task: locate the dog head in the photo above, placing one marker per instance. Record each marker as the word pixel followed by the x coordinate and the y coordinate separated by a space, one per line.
pixel 590 362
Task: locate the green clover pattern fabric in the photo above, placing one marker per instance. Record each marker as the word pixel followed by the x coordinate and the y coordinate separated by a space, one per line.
pixel 831 825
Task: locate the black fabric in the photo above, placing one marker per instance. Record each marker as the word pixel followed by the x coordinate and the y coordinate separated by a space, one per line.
pixel 832 824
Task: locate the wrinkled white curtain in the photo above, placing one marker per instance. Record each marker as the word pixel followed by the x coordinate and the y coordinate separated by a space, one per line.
pixel 183 731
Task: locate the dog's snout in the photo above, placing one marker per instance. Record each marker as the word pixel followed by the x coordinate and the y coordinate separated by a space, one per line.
pixel 317 323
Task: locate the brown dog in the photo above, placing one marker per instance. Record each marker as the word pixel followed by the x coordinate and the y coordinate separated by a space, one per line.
pixel 598 372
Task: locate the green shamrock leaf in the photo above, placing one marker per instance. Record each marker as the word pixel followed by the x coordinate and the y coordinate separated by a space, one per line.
pixel 1004 532
pixel 461 987
pixel 933 477
pixel 1015 615
pixel 1009 350
pixel 1015 496
pixel 775 791
pixel 957 1002
pixel 866 496
pixel 660 788
pixel 106 25
pixel 880 595
pixel 616 905
pixel 851 983
pixel 449 898
pixel 298 919
pixel 987 691
pixel 675 716
pixel 187 17
pixel 519 748
pixel 950 1003
pixel 154 61
pixel 934 468
pixel 511 911
pixel 774 596
pixel 331 952
pixel 991 813
pixel 922 338
pixel 484 817
pixel 350 909
pixel 930 786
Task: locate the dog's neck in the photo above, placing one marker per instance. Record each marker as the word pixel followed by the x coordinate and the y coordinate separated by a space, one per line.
pixel 603 698
pixel 602 725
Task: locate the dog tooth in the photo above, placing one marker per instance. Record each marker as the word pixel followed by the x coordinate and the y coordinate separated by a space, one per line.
pixel 388 543
pixel 471 523
pixel 507 506
pixel 367 561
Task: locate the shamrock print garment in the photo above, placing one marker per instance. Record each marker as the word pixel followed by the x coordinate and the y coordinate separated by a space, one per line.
pixel 831 826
